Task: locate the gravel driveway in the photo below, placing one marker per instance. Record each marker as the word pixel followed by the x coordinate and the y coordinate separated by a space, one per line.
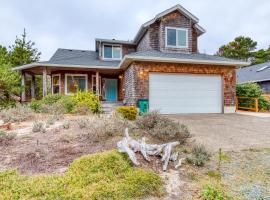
pixel 228 131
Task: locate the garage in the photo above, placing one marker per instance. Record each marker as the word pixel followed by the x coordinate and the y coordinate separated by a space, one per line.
pixel 173 93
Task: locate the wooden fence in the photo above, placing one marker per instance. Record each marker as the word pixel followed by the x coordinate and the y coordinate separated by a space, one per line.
pixel 253 101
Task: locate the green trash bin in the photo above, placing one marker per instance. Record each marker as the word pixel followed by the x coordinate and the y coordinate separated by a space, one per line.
pixel 143 105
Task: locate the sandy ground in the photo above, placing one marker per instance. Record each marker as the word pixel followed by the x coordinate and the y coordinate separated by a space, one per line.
pixel 228 131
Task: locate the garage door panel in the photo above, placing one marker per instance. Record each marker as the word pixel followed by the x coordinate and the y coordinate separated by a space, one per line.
pixel 185 93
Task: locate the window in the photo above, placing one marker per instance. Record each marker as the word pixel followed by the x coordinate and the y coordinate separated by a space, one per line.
pixel 176 37
pixel 56 84
pixel 113 52
pixel 76 83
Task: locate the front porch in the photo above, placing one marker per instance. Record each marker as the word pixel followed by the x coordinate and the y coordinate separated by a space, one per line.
pixel 107 83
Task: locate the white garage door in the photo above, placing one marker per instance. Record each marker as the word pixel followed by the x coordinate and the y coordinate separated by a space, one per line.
pixel 185 93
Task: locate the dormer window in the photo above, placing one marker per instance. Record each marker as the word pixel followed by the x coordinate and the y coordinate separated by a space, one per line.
pixel 176 37
pixel 112 52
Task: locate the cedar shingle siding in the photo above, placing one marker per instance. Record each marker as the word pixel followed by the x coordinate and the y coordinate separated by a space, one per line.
pixel 154 38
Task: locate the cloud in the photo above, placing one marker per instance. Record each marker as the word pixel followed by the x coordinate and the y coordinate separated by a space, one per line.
pixel 75 24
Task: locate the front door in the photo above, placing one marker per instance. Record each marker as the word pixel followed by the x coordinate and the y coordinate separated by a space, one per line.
pixel 111 89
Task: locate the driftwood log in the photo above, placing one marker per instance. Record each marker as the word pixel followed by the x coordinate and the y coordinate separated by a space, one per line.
pixel 131 146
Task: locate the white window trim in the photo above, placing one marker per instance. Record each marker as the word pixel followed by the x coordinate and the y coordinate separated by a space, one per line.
pixel 86 82
pixel 59 75
pixel 179 47
pixel 94 79
pixel 113 45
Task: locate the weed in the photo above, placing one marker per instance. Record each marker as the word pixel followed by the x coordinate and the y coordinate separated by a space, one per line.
pixel 82 122
pixel 214 174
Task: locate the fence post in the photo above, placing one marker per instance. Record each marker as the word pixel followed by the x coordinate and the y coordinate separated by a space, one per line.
pixel 236 103
pixel 256 105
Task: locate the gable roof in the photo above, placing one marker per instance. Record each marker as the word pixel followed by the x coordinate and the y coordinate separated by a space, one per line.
pixel 177 7
pixel 254 73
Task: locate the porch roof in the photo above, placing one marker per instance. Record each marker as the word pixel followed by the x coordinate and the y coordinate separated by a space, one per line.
pixel 70 58
pixel 80 59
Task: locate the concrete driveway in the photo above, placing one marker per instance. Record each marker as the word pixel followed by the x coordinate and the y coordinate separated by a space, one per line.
pixel 227 131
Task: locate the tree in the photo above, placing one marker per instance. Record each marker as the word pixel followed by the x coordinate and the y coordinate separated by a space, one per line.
pixel 240 48
pixel 9 85
pixel 23 51
pixel 4 57
pixel 261 56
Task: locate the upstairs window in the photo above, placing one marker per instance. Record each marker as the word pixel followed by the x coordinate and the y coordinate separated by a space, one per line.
pixel 113 52
pixel 176 37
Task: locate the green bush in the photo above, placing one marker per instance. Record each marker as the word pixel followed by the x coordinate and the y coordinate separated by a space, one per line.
pixel 212 193
pixel 101 176
pixel 89 99
pixel 68 103
pixel 36 105
pixel 128 112
pixel 199 156
pixel 51 99
pixel 251 90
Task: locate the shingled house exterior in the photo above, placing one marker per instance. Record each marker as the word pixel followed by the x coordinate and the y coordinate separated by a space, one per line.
pixel 161 64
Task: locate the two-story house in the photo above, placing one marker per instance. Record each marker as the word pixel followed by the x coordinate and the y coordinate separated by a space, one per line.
pixel 161 64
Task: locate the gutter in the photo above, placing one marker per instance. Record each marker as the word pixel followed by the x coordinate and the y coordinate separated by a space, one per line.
pixel 60 65
pixel 177 60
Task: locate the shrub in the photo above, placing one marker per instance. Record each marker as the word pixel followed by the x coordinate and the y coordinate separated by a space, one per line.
pixel 149 120
pixel 38 127
pixel 212 193
pixel 128 112
pixel 82 109
pixel 56 108
pixel 89 99
pixel 83 122
pixel 6 138
pixel 68 103
pixel 19 113
pixel 106 175
pixel 51 99
pixel 162 127
pixel 36 105
pixel 199 156
pixel 251 90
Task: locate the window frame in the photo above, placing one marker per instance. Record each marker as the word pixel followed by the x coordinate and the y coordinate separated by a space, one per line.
pixel 177 29
pixel 113 45
pixel 54 75
pixel 86 82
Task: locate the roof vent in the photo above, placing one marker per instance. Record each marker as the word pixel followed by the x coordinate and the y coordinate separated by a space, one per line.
pixel 263 68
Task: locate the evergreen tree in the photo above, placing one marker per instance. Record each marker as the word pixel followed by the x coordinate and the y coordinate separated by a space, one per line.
pixel 23 51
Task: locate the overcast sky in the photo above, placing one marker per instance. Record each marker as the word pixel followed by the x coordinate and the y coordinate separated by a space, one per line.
pixel 75 24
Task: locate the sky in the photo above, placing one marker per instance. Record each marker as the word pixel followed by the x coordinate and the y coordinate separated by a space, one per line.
pixel 75 24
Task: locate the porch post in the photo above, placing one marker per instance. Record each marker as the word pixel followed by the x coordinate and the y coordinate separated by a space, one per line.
pixel 23 94
pixel 44 81
pixel 97 82
pixel 33 86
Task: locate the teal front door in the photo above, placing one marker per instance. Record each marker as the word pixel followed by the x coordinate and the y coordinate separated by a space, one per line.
pixel 111 89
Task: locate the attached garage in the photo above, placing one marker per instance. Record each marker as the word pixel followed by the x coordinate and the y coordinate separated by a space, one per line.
pixel 173 93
